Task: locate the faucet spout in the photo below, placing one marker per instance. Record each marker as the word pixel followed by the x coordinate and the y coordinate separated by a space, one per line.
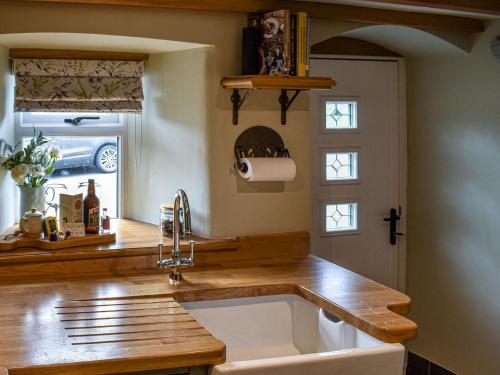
pixel 187 231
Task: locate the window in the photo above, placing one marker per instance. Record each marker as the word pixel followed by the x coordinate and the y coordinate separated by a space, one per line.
pixel 341 217
pixel 94 148
pixel 57 119
pixel 340 114
pixel 341 166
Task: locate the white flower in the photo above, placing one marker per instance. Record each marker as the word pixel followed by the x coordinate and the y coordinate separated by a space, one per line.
pixel 55 153
pixel 19 172
pixel 4 158
pixel 37 170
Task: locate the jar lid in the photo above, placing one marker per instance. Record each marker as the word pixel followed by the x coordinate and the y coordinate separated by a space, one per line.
pixel 166 206
pixel 33 213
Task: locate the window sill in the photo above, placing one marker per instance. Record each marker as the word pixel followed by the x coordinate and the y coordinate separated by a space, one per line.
pixel 133 238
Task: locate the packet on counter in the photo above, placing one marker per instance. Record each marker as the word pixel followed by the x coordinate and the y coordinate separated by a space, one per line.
pixel 75 229
pixel 49 226
pixel 70 208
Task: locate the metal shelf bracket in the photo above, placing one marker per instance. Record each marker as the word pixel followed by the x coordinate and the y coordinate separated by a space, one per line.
pixel 286 102
pixel 238 101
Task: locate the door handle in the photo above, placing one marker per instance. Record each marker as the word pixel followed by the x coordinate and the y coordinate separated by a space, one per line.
pixel 393 219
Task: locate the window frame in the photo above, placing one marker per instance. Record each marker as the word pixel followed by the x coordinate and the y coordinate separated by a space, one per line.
pixel 57 120
pixel 334 98
pixel 348 181
pixel 346 232
pixel 101 130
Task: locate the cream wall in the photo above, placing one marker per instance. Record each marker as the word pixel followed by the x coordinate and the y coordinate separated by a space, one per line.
pixel 230 211
pixel 454 208
pixel 454 114
pixel 169 150
pixel 235 208
pixel 7 186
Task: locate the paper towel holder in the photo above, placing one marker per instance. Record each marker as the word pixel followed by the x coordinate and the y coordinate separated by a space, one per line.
pixel 258 142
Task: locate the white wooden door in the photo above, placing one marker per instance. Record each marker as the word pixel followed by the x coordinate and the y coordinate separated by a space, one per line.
pixel 357 174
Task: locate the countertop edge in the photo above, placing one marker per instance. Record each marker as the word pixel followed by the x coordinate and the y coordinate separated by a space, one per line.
pixel 146 363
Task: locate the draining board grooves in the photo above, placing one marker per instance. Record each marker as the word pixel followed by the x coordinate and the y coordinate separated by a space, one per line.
pixel 135 321
pixel 153 321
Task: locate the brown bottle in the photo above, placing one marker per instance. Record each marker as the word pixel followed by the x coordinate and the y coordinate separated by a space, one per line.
pixel 91 210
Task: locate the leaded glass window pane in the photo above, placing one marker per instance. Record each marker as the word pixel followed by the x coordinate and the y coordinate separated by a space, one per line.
pixel 341 115
pixel 341 217
pixel 341 166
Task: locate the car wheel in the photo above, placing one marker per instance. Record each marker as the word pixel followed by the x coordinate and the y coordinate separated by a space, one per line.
pixel 106 159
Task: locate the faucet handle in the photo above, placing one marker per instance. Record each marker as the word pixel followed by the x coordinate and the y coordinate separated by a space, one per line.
pixel 160 254
pixel 191 251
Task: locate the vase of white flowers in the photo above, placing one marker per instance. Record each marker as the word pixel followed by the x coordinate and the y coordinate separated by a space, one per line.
pixel 29 167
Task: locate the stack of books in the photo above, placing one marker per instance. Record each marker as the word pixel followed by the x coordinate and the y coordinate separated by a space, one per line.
pixel 277 43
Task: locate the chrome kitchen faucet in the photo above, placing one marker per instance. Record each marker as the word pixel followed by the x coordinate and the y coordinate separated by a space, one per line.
pixel 176 261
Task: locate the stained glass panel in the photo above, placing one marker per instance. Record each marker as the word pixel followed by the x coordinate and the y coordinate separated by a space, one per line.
pixel 341 166
pixel 341 217
pixel 341 115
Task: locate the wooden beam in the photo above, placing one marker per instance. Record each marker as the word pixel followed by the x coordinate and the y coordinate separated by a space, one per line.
pixel 316 10
pixel 33 53
pixel 474 6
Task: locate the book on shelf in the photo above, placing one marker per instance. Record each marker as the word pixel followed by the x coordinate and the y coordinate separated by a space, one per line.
pixel 302 46
pixel 308 44
pixel 252 41
pixel 293 44
pixel 276 43
pixel 283 48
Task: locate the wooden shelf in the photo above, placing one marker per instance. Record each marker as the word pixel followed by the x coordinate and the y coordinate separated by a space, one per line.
pixel 283 83
pixel 278 82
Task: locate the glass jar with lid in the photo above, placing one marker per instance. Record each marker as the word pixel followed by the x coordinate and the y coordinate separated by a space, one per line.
pixel 167 219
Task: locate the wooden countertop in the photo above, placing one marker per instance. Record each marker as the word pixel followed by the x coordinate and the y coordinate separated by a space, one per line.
pixel 112 323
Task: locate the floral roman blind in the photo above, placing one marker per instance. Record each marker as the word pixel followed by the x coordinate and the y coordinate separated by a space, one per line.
pixel 59 85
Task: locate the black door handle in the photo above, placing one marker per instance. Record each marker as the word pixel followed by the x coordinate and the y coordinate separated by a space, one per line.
pixel 393 219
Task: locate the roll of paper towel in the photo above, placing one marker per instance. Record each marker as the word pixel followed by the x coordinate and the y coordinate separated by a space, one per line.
pixel 268 169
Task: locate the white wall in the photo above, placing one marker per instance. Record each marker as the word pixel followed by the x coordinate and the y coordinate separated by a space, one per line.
pixel 454 208
pixel 174 149
pixel 229 211
pixel 7 186
pixel 239 207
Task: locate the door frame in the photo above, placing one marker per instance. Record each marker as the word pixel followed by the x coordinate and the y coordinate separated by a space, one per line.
pixel 403 151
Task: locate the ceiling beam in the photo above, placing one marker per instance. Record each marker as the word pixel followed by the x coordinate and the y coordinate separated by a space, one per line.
pixel 473 6
pixel 316 10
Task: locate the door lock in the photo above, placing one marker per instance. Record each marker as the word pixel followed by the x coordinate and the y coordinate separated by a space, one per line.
pixel 393 219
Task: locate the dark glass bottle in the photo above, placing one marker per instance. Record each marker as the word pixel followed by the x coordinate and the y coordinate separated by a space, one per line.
pixel 91 210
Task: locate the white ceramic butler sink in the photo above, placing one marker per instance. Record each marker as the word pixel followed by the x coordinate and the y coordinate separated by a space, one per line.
pixel 287 335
